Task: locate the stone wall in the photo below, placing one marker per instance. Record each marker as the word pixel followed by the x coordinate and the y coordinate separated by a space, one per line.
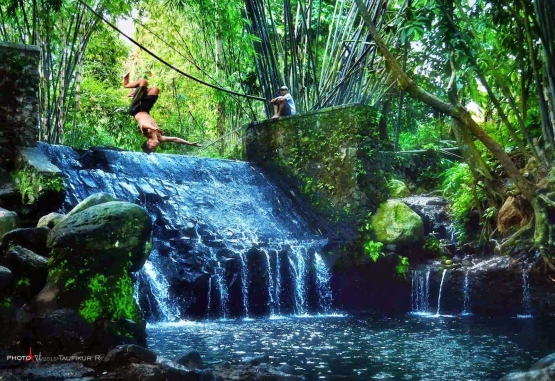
pixel 329 160
pixel 19 85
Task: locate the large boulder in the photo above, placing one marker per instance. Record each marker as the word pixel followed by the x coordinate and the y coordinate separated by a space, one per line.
pixel 398 189
pixel 396 223
pixel 103 234
pixel 92 254
pixel 92 200
pixel 62 332
pixel 8 221
pixel 50 220
pixel 33 239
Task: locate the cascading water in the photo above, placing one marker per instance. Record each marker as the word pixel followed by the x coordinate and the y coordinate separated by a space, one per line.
pixel 159 287
pixel 210 218
pixel 323 283
pixel 244 284
pixel 270 284
pixel 466 295
pixel 526 297
pixel 298 269
pixel 420 291
pixel 439 295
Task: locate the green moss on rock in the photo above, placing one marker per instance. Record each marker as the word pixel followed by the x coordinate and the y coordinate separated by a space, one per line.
pixel 398 189
pixel 396 223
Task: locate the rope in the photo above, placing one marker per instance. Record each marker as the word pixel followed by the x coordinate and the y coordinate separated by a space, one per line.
pixel 168 64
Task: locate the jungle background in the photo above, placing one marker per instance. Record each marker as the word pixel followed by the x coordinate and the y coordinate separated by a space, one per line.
pixel 479 75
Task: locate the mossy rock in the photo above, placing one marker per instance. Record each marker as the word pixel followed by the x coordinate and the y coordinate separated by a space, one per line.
pixel 102 233
pixel 398 189
pixel 8 221
pixel 92 200
pixel 396 223
pixel 50 220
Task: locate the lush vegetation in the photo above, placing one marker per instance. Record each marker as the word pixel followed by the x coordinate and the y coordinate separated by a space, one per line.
pixel 425 64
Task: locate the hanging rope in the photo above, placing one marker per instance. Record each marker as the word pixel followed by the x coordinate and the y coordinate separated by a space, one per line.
pixel 168 64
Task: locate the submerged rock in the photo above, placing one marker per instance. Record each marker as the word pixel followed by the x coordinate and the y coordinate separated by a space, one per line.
pixel 543 370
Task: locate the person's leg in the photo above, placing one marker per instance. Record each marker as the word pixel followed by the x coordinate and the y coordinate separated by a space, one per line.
pixel 278 108
pixel 164 139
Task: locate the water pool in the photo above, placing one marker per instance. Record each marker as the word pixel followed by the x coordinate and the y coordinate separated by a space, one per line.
pixel 406 347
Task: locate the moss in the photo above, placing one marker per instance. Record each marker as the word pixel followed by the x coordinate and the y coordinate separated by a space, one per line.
pixel 396 223
pixel 110 298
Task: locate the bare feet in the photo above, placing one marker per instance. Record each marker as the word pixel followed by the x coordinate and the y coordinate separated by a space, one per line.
pixel 276 116
pixel 125 79
pixel 131 93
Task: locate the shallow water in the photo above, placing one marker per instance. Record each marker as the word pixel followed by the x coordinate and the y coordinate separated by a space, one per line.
pixel 369 348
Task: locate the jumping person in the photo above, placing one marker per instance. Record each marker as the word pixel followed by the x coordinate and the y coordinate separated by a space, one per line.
pixel 284 104
pixel 144 99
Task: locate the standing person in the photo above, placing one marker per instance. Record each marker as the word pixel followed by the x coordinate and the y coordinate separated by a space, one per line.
pixel 144 99
pixel 284 104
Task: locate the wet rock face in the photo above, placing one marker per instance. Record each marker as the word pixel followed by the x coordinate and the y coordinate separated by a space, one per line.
pixel 498 286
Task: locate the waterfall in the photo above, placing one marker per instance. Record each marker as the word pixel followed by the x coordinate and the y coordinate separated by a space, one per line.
pixel 420 295
pixel 440 288
pixel 298 270
pixel 526 297
pixel 278 283
pixel 270 283
pixel 207 215
pixel 466 296
pixel 323 284
pixel 244 284
pixel 159 287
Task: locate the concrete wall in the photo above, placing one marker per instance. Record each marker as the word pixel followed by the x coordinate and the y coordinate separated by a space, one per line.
pixel 329 161
pixel 19 102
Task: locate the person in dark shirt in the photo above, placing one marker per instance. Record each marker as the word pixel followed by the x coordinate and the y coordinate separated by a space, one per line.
pixel 144 98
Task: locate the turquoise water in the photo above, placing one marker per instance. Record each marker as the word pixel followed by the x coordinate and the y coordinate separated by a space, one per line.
pixel 369 348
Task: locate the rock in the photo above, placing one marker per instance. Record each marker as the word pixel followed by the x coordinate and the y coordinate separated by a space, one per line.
pixel 190 359
pixel 543 370
pixel 33 239
pixel 24 263
pixel 456 259
pixel 8 221
pixel 108 231
pixel 398 189
pixel 63 332
pixel 6 281
pixel 256 360
pixel 92 200
pixel 144 372
pixel 130 353
pixel 547 361
pixel 287 369
pixel 395 223
pixel 49 371
pixel 50 220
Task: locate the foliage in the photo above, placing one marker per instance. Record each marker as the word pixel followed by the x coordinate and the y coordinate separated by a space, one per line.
pixel 403 267
pixel 31 184
pixel 373 249
pixel 458 187
pixel 432 245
